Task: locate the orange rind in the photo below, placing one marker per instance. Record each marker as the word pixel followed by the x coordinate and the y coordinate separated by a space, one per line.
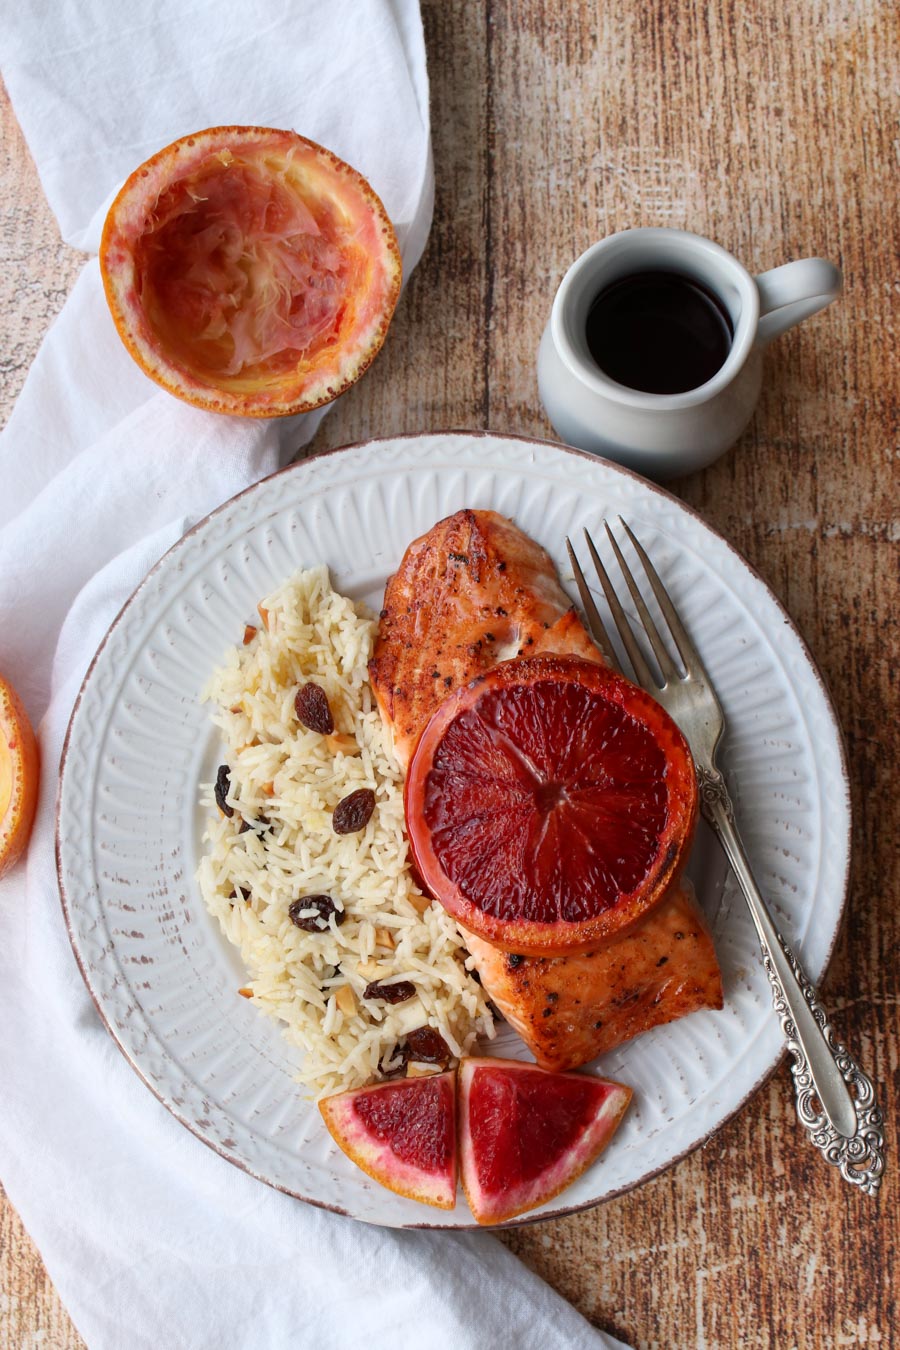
pixel 250 271
pixel 550 804
pixel 19 777
pixel 525 1134
pixel 402 1134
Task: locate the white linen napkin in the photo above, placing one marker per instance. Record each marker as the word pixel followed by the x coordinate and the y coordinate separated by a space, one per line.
pixel 151 1238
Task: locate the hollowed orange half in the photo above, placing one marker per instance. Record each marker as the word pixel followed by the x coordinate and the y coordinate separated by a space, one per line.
pixel 250 271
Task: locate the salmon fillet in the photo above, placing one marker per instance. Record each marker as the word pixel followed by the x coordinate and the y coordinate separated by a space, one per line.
pixel 470 593
pixel 570 1009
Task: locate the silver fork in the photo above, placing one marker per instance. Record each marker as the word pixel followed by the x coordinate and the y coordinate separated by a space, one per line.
pixel 848 1129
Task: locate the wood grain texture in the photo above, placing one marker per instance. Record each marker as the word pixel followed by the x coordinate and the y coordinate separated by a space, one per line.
pixel 770 128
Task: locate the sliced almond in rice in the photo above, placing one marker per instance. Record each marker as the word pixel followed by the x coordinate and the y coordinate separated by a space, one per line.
pixel 369 970
pixel 340 742
pixel 346 1000
pixel 385 938
pixel 416 1069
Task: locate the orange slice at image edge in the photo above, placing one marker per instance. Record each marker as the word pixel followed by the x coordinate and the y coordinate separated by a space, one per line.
pixel 19 777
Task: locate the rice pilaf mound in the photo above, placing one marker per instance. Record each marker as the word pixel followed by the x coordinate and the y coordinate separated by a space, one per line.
pixel 282 784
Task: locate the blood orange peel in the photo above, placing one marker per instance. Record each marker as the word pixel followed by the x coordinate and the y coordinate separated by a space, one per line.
pixel 402 1134
pixel 550 804
pixel 250 271
pixel 526 1134
pixel 19 777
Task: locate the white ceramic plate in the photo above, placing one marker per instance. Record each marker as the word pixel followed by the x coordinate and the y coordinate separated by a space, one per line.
pixel 164 979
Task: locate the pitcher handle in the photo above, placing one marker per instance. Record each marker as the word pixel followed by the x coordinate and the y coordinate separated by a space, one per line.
pixel 792 292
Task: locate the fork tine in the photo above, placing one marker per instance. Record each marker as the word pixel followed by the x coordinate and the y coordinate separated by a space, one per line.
pixel 666 664
pixel 595 623
pixel 620 619
pixel 686 649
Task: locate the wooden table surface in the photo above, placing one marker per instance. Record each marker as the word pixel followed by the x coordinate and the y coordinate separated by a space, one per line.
pixel 770 128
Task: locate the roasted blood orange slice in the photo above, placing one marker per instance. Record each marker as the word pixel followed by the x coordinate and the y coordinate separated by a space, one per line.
pixel 526 1134
pixel 250 271
pixel 18 776
pixel 549 805
pixel 403 1134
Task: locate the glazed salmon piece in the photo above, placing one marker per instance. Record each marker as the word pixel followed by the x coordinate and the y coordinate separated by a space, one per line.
pixel 470 593
pixel 570 1009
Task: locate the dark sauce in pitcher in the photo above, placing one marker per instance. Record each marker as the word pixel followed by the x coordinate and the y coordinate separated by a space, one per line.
pixel 659 332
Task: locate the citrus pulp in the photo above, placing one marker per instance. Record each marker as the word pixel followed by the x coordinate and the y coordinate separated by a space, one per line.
pixel 550 804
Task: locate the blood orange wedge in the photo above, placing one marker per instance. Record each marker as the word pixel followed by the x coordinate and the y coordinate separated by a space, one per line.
pixel 526 1134
pixel 403 1134
pixel 19 772
pixel 550 804
pixel 250 271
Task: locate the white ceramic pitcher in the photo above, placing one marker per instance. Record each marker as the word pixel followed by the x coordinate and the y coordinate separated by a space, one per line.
pixel 661 435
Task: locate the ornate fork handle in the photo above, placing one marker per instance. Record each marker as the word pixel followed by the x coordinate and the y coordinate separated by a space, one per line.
pixel 847 1129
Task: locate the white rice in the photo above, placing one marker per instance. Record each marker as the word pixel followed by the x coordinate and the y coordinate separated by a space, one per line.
pixel 294 778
